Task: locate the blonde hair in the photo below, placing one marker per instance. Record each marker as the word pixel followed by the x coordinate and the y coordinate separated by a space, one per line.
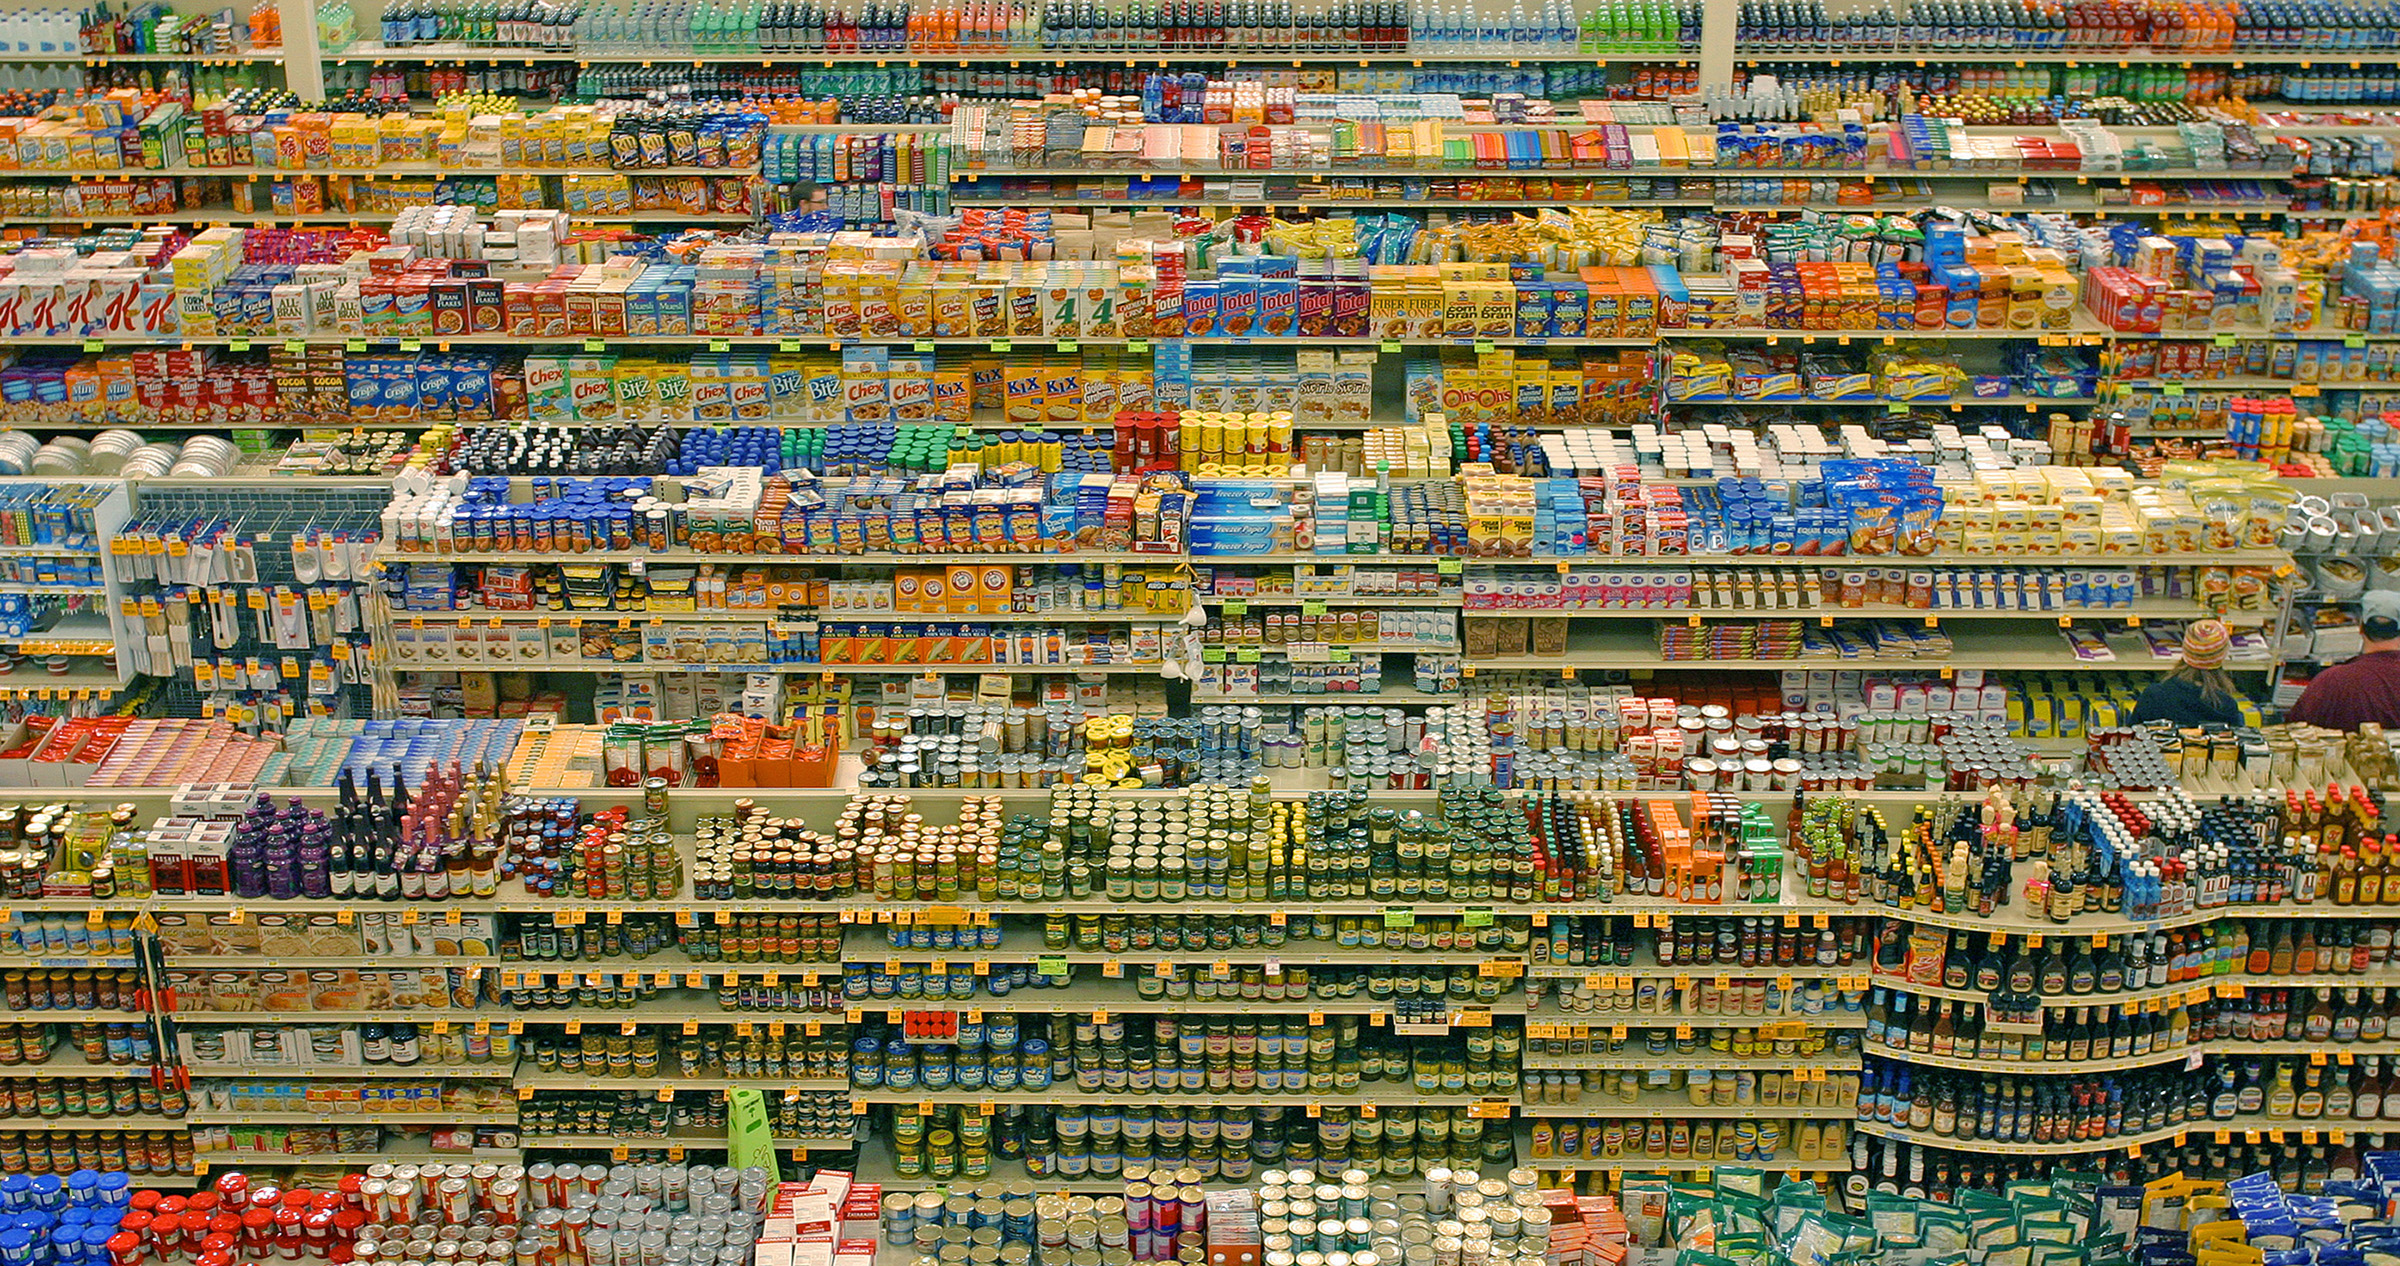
pixel 2216 685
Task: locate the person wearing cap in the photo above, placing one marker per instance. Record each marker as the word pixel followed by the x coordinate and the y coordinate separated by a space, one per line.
pixel 2354 692
pixel 2198 691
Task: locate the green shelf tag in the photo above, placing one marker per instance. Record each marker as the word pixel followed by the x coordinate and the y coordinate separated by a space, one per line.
pixel 295 347
pixel 2224 340
pixel 1001 345
pixel 1476 917
pixel 2354 340
pixel 237 345
pixel 1246 655
pixel 595 345
pixel 714 345
pixel 1235 606
pixel 788 345
pixel 412 345
pixel 1312 608
pixel 1069 345
pixel 1484 347
pixel 2173 391
pixel 1338 654
pixel 923 345
pixel 356 345
pixel 1450 566
pixel 1391 345
pixel 93 345
pixel 1399 917
pixel 1212 654
pixel 1050 966
pixel 1137 345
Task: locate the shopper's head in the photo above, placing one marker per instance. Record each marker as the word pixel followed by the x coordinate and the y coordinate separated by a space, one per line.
pixel 2205 646
pixel 2206 643
pixel 2381 632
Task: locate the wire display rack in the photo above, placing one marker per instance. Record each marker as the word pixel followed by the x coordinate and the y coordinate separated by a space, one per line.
pixel 271 522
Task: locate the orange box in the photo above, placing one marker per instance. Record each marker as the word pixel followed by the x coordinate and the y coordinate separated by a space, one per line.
pixel 998 584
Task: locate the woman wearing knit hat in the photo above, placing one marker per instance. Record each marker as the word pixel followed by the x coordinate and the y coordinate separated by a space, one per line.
pixel 2198 691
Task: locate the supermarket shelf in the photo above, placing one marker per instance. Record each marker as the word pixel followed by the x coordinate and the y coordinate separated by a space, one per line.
pixel 1972 1064
pixel 1112 999
pixel 656 965
pixel 270 56
pixel 1785 1162
pixel 388 1016
pixel 1066 1092
pixel 876 1164
pixel 868 909
pixel 1621 647
pixel 398 664
pixel 77 633
pixel 36 1016
pixel 77 677
pixel 819 338
pixel 866 948
pixel 1878 402
pixel 2223 984
pixel 689 1142
pixel 2221 558
pixel 2175 992
pixel 2013 919
pixel 386 171
pixel 2254 332
pixel 234 216
pixel 1694 971
pixel 1668 1104
pixel 1012 55
pixel 1599 1061
pixel 67 1062
pixel 446 1072
pixel 2173 1135
pixel 551 1081
pixel 1446 602
pixel 201 1116
pixel 2228 1047
pixel 1322 197
pixel 2139 611
pixel 842 560
pixel 2249 384
pixel 361 961
pixel 677 1009
pixel 114 1123
pixel 381 1155
pixel 1826 1021
pixel 1388 695
pixel 2094 56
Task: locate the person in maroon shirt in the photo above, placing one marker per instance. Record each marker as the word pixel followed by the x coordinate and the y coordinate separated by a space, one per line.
pixel 2364 689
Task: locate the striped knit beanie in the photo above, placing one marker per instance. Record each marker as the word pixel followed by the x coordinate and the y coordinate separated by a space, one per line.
pixel 2205 643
